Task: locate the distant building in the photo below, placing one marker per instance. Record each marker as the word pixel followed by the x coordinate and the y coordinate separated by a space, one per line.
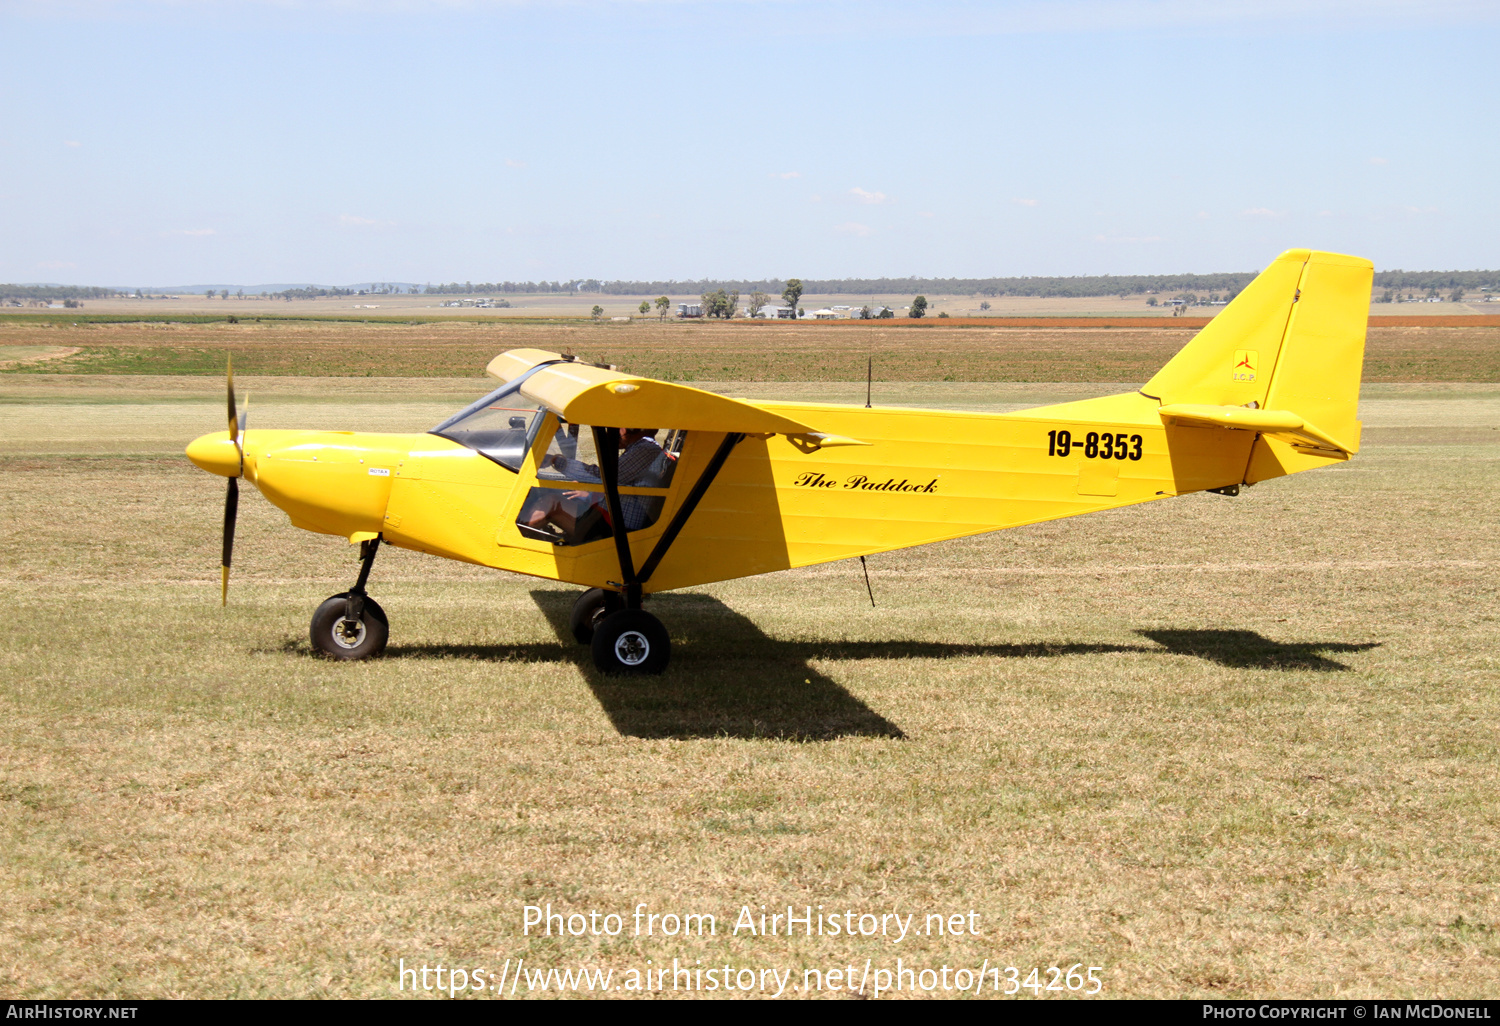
pixel 483 303
pixel 689 309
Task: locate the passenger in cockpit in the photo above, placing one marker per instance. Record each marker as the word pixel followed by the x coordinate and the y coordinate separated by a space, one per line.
pixel 643 464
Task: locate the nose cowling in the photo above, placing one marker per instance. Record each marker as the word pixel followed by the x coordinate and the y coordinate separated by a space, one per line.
pixel 215 453
pixel 335 482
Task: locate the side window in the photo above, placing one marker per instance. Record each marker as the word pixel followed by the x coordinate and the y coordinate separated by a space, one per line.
pixel 568 506
pixel 570 455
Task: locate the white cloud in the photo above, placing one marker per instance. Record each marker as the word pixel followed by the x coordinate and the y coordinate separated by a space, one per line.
pixel 1263 213
pixel 57 265
pixel 925 213
pixel 1379 160
pixel 1024 202
pixel 854 228
pixel 514 163
pixel 786 174
pixel 73 144
pixel 868 197
pixel 355 222
pixel 1421 210
pixel 193 232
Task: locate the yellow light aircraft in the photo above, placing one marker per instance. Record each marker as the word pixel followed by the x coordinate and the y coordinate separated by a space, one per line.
pixel 735 487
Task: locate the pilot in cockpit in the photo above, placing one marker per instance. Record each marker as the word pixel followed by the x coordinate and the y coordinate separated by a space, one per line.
pixel 642 464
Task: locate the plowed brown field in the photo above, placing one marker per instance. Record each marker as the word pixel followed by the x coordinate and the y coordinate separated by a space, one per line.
pixel 674 351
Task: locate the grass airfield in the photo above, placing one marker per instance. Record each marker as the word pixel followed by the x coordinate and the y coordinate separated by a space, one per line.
pixel 1221 747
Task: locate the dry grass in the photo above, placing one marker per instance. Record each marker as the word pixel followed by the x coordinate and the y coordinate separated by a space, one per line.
pixel 1221 747
pixel 742 352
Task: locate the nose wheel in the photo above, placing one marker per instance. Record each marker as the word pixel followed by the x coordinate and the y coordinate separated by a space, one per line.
pixel 340 636
pixel 351 625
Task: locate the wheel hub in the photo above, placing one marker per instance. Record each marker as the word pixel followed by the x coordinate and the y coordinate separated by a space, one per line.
pixel 348 633
pixel 632 648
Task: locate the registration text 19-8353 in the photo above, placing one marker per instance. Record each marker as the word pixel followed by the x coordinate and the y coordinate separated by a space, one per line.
pixel 1095 446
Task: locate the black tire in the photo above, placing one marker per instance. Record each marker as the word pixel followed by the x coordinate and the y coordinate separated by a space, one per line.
pixel 631 642
pixel 328 635
pixel 590 609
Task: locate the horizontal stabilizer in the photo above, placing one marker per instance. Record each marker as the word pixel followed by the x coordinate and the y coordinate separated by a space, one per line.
pixel 1281 424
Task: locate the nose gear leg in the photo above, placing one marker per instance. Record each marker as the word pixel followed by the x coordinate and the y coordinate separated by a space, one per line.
pixel 354 601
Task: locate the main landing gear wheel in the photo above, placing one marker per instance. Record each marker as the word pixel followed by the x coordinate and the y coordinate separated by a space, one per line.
pixel 338 637
pixel 631 642
pixel 590 610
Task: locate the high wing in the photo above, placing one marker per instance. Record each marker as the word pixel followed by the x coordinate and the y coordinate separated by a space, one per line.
pixel 582 393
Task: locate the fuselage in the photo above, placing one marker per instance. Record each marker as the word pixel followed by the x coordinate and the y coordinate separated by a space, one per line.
pixel 925 476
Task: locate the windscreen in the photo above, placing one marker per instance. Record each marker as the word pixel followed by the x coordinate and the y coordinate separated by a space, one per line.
pixel 499 426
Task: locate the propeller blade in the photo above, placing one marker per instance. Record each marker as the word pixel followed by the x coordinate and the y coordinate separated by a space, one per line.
pixel 234 419
pixel 231 514
pixel 239 442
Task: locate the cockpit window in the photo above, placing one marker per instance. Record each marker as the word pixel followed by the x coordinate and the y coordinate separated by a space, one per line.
pixel 501 426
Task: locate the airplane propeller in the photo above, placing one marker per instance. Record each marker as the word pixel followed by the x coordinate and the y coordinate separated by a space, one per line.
pixel 237 422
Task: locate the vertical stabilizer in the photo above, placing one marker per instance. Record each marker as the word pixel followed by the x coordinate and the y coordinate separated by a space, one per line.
pixel 1229 362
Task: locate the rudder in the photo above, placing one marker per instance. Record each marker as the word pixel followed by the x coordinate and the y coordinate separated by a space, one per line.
pixel 1317 374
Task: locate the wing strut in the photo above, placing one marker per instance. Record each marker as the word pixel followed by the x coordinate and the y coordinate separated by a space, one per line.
pixel 607 445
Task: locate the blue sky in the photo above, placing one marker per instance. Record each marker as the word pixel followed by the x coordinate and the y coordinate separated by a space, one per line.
pixel 337 141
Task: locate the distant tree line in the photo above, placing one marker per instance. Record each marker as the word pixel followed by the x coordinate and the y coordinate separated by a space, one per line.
pixel 50 292
pixel 1430 280
pixel 465 288
pixel 1102 285
pixel 309 292
pixel 1060 287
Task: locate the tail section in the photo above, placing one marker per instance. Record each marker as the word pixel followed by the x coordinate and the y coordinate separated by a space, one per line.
pixel 1284 359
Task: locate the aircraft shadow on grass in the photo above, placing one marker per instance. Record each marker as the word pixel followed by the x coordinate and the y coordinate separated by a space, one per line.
pixel 730 679
pixel 1247 650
